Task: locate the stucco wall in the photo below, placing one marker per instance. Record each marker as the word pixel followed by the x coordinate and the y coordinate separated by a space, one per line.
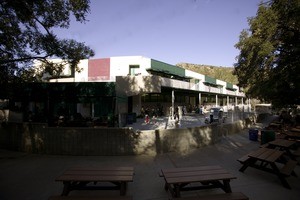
pixel 134 85
pixel 119 66
pixel 37 138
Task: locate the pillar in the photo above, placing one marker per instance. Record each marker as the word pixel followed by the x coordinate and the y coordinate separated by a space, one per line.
pixel 243 103
pixel 227 102
pixel 200 103
pixel 173 100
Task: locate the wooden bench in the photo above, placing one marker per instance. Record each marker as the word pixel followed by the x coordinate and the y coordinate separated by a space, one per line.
pixel 225 196
pixel 90 198
pixel 244 159
pixel 297 153
pixel 288 168
pixel 264 145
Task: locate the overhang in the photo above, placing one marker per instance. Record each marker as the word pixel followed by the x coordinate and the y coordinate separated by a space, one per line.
pixel 211 82
pixel 162 68
pixel 229 86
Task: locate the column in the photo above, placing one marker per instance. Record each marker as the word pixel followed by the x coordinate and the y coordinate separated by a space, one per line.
pixel 200 103
pixel 249 104
pixel 236 101
pixel 173 100
pixel 216 100
pixel 227 103
pixel 93 110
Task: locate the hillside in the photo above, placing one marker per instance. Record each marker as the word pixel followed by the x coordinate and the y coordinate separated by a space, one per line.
pixel 221 73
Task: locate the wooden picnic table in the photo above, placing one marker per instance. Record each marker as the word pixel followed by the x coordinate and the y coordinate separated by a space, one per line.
pixel 295 130
pixel 80 178
pixel 265 159
pixel 178 179
pixel 275 125
pixel 292 135
pixel 283 145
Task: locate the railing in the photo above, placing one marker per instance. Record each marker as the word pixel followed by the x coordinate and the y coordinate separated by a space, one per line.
pixel 214 90
pixel 230 92
pixel 167 82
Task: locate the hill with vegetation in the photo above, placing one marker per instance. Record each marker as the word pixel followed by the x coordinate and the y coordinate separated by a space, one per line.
pixel 221 73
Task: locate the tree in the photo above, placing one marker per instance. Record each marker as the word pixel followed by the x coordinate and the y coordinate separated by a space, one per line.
pixel 27 34
pixel 268 64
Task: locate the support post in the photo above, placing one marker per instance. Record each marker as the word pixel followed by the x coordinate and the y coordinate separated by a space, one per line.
pixel 173 100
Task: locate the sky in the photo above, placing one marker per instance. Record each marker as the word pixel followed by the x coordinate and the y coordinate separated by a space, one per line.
pixel 171 31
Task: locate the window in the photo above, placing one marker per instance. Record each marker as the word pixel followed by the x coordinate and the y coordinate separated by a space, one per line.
pixel 133 69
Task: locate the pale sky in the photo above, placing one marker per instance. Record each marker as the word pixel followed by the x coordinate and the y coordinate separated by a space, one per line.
pixel 171 31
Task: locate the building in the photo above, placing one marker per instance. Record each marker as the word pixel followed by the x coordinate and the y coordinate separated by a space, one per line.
pixel 130 84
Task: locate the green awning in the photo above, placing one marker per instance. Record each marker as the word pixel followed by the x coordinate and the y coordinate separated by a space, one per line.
pixel 211 82
pixel 165 68
pixel 229 86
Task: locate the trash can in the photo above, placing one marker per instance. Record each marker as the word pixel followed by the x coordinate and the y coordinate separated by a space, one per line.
pixel 253 134
pixel 267 136
pixel 129 118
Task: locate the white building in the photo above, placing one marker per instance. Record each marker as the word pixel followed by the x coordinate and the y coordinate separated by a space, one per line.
pixel 145 82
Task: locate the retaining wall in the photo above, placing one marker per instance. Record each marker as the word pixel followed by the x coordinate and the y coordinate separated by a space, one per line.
pixel 38 138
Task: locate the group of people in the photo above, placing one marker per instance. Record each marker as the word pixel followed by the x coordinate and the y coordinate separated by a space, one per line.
pixel 151 112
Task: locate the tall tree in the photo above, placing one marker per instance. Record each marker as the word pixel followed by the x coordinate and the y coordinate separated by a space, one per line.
pixel 27 34
pixel 268 65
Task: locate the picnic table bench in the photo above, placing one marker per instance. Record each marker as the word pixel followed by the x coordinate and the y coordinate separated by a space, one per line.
pixel 225 196
pixel 267 158
pixel 90 198
pixel 178 179
pixel 296 153
pixel 80 178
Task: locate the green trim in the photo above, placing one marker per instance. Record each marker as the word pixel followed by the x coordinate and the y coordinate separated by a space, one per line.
pixel 229 86
pixel 162 67
pixel 210 80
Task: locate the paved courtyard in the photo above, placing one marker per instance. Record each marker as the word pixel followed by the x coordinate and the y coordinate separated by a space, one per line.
pixel 185 121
